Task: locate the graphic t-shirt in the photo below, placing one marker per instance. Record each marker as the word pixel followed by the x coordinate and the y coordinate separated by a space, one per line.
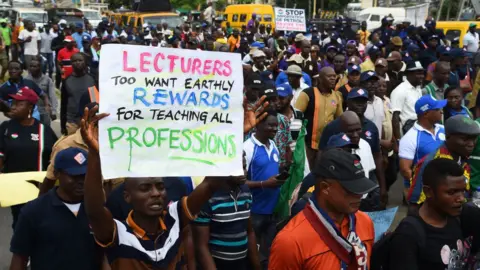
pixel 449 247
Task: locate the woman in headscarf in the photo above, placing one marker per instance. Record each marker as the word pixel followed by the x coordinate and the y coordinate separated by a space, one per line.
pixel 25 143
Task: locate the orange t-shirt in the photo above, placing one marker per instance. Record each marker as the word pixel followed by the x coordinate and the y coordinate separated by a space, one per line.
pixel 298 246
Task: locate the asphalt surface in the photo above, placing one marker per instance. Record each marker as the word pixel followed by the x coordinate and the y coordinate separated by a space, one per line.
pixel 6 218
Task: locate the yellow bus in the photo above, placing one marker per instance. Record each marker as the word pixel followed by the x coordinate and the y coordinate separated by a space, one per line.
pixel 239 15
pixel 138 19
pixel 453 29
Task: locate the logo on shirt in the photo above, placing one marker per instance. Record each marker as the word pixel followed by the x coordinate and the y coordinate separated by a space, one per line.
pixel 35 137
pixel 368 134
pixel 275 157
pixel 333 102
pixel 14 135
pixel 441 137
pixel 311 68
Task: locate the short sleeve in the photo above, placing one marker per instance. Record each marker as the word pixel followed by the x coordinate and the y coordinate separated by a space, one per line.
pixel 39 37
pixel 21 35
pixel 24 234
pixel 375 140
pixel 397 99
pixel 404 242
pixel 205 215
pixel 248 148
pixel 408 146
pixel 302 101
pixel 3 130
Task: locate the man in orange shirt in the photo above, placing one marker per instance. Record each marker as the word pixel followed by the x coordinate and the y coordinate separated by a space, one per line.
pixel 234 40
pixel 330 232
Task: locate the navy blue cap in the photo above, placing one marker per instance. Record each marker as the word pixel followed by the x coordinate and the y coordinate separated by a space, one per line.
pixel 457 52
pixel 373 49
pixel 86 38
pixel 357 92
pixel 266 76
pixel 427 103
pixel 79 25
pixel 284 90
pixel 414 66
pixel 413 47
pixel 72 161
pixel 334 35
pixel 367 75
pixel 433 37
pixel 444 50
pixel 339 140
pixel 332 47
pixel 354 68
pixel 430 23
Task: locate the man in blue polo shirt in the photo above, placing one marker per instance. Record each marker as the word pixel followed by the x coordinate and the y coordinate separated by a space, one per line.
pixel 357 102
pixel 262 158
pixel 223 231
pixel 425 136
pixel 53 230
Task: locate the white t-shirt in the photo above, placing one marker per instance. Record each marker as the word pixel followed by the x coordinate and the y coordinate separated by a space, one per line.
pixel 403 100
pixel 73 207
pixel 30 48
pixel 296 92
pixel 366 158
pixel 376 113
pixel 471 41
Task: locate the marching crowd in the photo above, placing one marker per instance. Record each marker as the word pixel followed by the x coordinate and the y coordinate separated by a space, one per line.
pixel 351 109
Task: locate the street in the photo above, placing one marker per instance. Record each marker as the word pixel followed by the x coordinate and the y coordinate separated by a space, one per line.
pixel 6 219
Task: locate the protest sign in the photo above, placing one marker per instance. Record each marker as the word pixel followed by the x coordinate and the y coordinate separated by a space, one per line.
pixel 290 19
pixel 172 112
pixel 382 220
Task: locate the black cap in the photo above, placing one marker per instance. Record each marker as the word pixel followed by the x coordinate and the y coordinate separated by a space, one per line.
pixel 269 90
pixel 254 81
pixel 339 165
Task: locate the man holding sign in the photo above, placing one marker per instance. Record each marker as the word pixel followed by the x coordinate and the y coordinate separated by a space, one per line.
pixel 151 235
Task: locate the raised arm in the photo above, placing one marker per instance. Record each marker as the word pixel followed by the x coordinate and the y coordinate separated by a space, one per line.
pixel 99 216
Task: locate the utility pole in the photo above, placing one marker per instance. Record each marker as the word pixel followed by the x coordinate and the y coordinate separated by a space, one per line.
pixel 460 10
pixel 439 12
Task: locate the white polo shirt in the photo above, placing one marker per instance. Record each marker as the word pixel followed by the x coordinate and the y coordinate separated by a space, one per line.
pixel 366 157
pixel 376 113
pixel 471 41
pixel 403 100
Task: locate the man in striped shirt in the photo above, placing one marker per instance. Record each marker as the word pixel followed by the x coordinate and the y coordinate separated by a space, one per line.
pixel 223 231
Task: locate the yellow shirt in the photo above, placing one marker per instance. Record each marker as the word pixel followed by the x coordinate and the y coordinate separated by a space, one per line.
pixel 367 65
pixel 363 36
pixel 232 42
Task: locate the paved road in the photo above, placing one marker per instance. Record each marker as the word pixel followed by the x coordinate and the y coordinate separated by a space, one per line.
pixel 6 219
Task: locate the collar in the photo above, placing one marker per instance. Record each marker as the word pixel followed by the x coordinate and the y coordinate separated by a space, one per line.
pixel 54 199
pixel 255 69
pixel 257 142
pixel 409 85
pixel 78 138
pixel 438 89
pixel 309 58
pixel 139 232
pixel 420 128
pixel 19 82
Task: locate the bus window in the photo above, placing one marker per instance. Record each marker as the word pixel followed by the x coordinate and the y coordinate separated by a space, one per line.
pixel 243 17
pixel 139 22
pixel 375 18
pixel 132 21
pixel 235 18
pixel 225 17
pixel 267 18
pixel 124 20
pixel 451 34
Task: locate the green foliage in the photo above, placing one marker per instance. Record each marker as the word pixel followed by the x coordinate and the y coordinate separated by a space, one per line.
pixel 454 6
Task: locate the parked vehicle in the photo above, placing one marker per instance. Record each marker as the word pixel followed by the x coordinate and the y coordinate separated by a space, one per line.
pixel 239 15
pixel 373 16
pixel 71 15
pixel 93 16
pixel 36 15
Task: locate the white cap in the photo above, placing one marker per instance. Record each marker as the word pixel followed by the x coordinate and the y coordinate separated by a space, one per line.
pixel 123 34
pixel 145 25
pixel 62 21
pixel 258 53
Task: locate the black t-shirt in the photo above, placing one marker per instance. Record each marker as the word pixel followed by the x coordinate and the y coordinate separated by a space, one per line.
pixel 25 148
pixel 443 248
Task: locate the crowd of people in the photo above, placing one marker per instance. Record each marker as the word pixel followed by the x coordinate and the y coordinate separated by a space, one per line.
pixel 364 105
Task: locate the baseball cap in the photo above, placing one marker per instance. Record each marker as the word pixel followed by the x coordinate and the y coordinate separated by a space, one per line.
pixel 354 68
pixel 267 77
pixel 381 62
pixel 413 47
pixel 345 168
pixel 299 37
pixel 258 53
pixel 460 124
pixel 332 47
pixel 357 92
pixel 472 25
pixel 430 23
pixel 433 37
pixel 269 90
pixel 373 49
pixel 427 103
pixel 86 38
pixel 62 21
pixel 397 41
pixel 444 50
pixel 394 56
pixel 68 39
pixel 26 94
pixel 257 44
pixel 79 25
pixel 339 140
pixel 284 90
pixel 457 52
pixel 367 75
pixel 354 60
pixel 254 81
pixel 294 70
pixel 72 161
pixel 295 58
pixel 414 66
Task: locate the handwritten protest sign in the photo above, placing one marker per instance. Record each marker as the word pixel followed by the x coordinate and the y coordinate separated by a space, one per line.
pixel 382 220
pixel 290 19
pixel 172 112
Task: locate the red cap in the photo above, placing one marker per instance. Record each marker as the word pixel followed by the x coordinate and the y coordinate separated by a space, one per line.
pixel 68 39
pixel 26 94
